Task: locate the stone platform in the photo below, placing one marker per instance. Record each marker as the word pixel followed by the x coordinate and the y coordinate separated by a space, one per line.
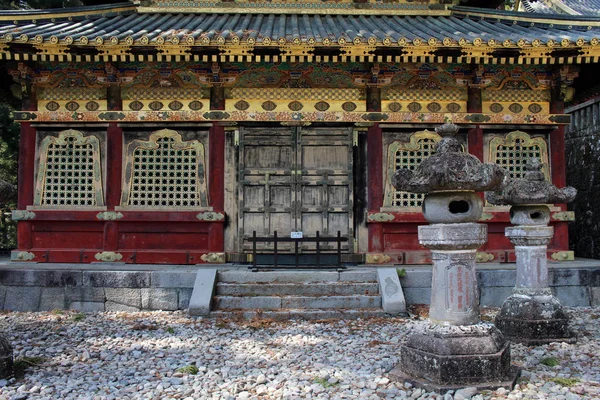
pixel 134 287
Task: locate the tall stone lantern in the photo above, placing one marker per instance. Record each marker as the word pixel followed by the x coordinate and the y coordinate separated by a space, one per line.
pixel 454 349
pixel 532 315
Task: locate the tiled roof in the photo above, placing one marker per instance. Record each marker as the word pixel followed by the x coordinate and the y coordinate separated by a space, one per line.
pixel 269 29
pixel 458 34
pixel 572 7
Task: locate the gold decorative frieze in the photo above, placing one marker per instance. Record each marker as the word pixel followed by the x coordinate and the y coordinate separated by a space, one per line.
pixel 22 215
pixel 108 256
pixel 482 257
pixel 381 217
pixel 213 258
pixel 564 216
pixel 374 258
pixel 288 115
pixel 296 93
pixel 22 256
pixel 563 256
pixel 109 216
pixel 210 216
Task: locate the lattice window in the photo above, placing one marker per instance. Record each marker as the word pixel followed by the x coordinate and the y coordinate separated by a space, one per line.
pixel 69 173
pixel 407 155
pixel 165 172
pixel 512 152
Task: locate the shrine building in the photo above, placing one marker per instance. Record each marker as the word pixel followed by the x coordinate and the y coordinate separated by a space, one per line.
pixel 172 132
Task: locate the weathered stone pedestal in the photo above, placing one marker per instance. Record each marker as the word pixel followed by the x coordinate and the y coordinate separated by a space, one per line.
pixel 532 315
pixel 455 350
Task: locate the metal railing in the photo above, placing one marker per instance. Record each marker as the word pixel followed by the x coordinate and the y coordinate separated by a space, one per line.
pixel 318 251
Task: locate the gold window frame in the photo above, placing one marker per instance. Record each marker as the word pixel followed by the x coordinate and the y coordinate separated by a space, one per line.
pixel 42 175
pixel 177 144
pixel 511 138
pixel 399 145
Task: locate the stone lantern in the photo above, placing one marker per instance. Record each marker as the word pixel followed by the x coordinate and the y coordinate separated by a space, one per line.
pixel 532 315
pixel 454 349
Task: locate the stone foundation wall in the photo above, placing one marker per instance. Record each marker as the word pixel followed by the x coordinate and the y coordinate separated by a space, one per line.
pixel 89 291
pixel 582 148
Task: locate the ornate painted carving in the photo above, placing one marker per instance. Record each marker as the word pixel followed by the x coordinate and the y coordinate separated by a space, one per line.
pixel 564 216
pixel 211 216
pixel 108 256
pixel 213 258
pixel 22 256
pixel 109 216
pixel 381 217
pixel 22 215
pixel 482 257
pixel 372 258
pixel 563 256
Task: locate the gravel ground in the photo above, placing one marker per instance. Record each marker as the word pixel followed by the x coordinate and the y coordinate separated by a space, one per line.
pixel 145 355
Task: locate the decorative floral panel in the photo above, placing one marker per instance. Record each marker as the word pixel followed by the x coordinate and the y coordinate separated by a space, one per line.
pixel 165 172
pixel 69 173
pixel 407 155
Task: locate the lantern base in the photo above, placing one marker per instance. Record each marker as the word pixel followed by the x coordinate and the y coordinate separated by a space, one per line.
pixel 442 358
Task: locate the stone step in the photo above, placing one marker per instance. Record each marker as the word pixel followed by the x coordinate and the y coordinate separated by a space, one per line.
pixel 310 314
pixel 306 302
pixel 302 276
pixel 298 289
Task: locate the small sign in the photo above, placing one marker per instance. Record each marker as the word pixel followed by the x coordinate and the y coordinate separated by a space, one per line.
pixel 296 235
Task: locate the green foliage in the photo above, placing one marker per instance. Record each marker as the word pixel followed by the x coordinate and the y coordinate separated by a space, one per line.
pixel 23 363
pixel 188 369
pixel 78 317
pixel 567 382
pixel 401 272
pixel 325 383
pixel 549 361
pixel 170 330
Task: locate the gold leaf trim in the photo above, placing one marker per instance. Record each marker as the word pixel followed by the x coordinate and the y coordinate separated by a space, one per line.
pixel 381 217
pixel 564 216
pixel 377 259
pixel 22 215
pixel 109 215
pixel 563 256
pixel 213 258
pixel 210 216
pixel 108 256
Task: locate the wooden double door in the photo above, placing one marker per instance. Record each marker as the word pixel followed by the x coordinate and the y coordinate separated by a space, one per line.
pixel 295 179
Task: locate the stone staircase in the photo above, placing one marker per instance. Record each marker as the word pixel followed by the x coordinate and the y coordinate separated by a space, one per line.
pixel 304 294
